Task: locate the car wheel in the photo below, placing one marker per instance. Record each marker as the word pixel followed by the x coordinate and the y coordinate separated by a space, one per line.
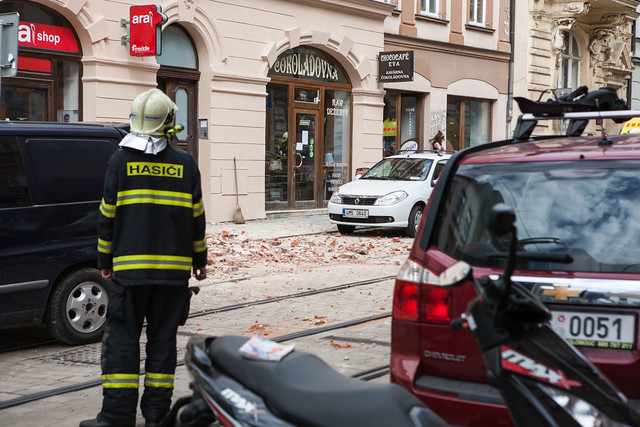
pixel 77 309
pixel 414 221
pixel 346 229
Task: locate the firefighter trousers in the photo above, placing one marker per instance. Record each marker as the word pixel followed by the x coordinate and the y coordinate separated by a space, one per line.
pixel 163 308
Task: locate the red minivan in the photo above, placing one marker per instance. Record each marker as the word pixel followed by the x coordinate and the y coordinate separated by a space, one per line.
pixel 571 194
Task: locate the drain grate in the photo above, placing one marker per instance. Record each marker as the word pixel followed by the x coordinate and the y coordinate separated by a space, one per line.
pixel 86 355
pixel 91 355
pixel 357 340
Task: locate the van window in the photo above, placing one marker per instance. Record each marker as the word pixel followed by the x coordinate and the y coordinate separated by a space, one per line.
pixel 69 170
pixel 14 187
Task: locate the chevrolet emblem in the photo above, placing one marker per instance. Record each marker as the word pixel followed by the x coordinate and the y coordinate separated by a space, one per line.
pixel 561 293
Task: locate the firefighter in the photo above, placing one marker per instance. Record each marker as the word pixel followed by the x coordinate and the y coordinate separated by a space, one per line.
pixel 151 230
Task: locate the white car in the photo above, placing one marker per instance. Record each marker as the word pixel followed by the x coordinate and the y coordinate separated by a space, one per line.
pixel 393 193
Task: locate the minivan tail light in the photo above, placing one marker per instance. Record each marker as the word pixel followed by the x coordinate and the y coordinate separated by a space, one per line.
pixel 405 301
pixel 435 304
pixel 418 295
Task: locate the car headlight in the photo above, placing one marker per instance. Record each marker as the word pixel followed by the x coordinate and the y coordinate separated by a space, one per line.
pixel 391 198
pixel 336 198
pixel 582 412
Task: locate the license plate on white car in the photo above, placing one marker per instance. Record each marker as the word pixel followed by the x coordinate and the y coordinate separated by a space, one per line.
pixel 355 213
pixel 597 330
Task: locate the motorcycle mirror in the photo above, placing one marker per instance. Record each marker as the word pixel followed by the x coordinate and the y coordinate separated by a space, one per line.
pixel 455 275
pixel 502 219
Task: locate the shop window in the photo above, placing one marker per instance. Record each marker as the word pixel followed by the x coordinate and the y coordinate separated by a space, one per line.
pixel 569 73
pixel 468 123
pixel 401 124
pixel 306 95
pixel 68 90
pixel 47 86
pixel 277 146
pixel 337 141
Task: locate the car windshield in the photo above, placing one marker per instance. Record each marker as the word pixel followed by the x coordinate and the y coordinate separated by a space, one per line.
pixel 401 169
pixel 586 209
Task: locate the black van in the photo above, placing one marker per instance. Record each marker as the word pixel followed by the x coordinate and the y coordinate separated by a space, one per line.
pixel 51 182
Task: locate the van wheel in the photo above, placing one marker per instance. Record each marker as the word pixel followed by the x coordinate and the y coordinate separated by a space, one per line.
pixel 77 309
pixel 415 217
pixel 346 229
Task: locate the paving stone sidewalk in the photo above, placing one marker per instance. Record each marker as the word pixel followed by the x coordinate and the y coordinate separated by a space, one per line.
pixel 54 366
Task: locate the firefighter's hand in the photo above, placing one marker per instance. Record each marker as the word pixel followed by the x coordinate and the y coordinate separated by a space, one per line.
pixel 200 273
pixel 107 273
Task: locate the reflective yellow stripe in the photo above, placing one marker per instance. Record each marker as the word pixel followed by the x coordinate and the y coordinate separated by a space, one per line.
pixel 104 246
pixel 200 245
pixel 158 197
pixel 120 380
pixel 159 380
pixel 107 210
pixel 157 262
pixel 198 209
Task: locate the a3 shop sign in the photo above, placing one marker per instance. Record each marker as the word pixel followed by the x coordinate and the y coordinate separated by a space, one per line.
pixel 46 37
pixel 146 30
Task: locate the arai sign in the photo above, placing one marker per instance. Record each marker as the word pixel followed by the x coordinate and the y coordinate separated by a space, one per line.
pixel 146 30
pixel 47 37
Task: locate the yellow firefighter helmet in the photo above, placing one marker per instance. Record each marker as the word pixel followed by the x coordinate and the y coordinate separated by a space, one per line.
pixel 152 113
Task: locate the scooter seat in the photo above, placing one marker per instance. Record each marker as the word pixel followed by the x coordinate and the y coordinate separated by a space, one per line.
pixel 303 390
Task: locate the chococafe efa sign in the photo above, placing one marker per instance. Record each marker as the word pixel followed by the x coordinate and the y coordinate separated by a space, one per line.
pixel 145 23
pixel 395 66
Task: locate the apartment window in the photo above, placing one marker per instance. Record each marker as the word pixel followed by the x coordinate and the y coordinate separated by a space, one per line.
pixel 569 73
pixel 468 122
pixel 429 7
pixel 477 12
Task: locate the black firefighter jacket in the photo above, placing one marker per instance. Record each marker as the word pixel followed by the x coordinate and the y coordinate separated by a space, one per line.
pixel 151 226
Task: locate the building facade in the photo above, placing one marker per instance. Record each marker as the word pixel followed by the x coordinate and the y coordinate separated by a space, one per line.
pixel 287 90
pixel 564 44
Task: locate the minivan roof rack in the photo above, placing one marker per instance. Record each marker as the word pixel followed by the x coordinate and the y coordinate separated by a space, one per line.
pixel 527 122
pixel 578 107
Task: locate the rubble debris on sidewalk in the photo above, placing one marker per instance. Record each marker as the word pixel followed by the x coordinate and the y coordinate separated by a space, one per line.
pixel 237 255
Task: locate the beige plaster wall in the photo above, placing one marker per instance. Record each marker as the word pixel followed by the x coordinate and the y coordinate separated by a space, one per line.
pixel 236 43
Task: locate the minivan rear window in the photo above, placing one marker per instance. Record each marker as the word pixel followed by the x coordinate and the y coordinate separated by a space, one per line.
pixel 14 186
pixel 69 170
pixel 586 209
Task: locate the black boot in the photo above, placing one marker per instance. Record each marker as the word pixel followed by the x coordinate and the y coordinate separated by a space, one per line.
pixel 98 422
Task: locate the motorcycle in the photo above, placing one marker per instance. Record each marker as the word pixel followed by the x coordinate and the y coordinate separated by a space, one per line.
pixel 543 379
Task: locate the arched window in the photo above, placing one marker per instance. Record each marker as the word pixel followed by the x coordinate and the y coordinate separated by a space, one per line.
pixel 177 48
pixel 569 72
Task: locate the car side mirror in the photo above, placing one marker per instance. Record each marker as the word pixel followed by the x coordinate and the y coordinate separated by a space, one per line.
pixel 455 275
pixel 501 219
